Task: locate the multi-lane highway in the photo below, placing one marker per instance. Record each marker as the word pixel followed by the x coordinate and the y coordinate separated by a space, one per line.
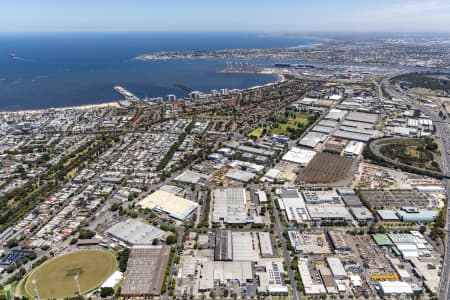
pixel 443 133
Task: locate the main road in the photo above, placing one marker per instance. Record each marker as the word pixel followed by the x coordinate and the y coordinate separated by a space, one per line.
pixel 287 256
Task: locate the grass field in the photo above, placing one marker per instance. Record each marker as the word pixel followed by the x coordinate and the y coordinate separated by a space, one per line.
pixel 55 278
pixel 412 152
pixel 284 124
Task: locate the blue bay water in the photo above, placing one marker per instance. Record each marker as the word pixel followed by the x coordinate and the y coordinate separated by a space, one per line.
pixel 55 70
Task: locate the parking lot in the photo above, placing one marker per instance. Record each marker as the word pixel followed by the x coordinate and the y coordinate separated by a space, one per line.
pixel 394 199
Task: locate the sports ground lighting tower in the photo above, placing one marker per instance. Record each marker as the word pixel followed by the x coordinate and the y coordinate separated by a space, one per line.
pixel 36 293
pixel 76 277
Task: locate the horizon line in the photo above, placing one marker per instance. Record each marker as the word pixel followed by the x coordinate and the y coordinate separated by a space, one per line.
pixel 230 31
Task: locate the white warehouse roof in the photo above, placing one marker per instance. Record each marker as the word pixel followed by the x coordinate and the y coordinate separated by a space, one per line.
pixel 176 207
pixel 312 139
pixel 336 114
pixel 299 156
pixel 394 288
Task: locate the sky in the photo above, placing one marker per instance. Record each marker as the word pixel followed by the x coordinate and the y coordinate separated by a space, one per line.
pixel 225 15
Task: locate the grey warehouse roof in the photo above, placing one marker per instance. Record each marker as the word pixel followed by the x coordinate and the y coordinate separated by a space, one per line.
pixel 134 232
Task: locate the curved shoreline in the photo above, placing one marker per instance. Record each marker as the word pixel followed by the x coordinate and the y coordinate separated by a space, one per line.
pixel 115 104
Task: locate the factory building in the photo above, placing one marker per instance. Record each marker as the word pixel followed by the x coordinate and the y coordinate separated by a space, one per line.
pixel 312 139
pixel 318 197
pixel 299 156
pixel 362 214
pixel 166 203
pixel 294 206
pixel 336 267
pixel 134 232
pixel 229 206
pixel 394 288
pixel 326 213
pixel 223 250
pixel 265 244
pixel 353 149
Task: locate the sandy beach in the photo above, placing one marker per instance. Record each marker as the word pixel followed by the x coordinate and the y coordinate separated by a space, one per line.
pixel 113 104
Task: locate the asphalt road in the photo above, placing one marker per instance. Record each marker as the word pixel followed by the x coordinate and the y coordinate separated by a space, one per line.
pixel 443 133
pixel 287 257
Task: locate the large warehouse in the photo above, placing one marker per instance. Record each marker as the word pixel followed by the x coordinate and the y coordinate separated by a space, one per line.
pixel 229 205
pixel 294 206
pixel 134 232
pixel 234 246
pixel 167 203
pixel 299 156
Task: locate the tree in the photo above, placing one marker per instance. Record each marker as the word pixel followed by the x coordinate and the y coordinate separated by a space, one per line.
pixel 155 242
pixel 115 206
pixel 170 240
pixel 436 233
pixel 86 234
pixel 122 257
pixel 422 229
pixel 106 292
pixel 12 243
pixel 32 256
pixel 225 293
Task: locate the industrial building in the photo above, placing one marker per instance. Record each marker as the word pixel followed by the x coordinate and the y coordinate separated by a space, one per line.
pixel 262 196
pixel 243 249
pixel 362 214
pixel 327 279
pixel 294 239
pixel 408 214
pixel 317 197
pixel 240 176
pixel 312 139
pixel 294 206
pixel 336 267
pixel 265 244
pixel 223 249
pixel 167 203
pixel 271 175
pixel 299 156
pixel 310 285
pixel 235 246
pixel 412 215
pixel 359 125
pixel 193 177
pixel 328 123
pixel 328 213
pixel 338 241
pixel 352 136
pixel 351 200
pixel 242 148
pixel 224 272
pixel 273 283
pixel 362 117
pixel 394 288
pixel 353 149
pixel 335 115
pixel 430 188
pixel 229 206
pixel 134 232
pixel 323 130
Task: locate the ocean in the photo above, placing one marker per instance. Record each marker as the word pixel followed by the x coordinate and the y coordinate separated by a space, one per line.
pixel 57 70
